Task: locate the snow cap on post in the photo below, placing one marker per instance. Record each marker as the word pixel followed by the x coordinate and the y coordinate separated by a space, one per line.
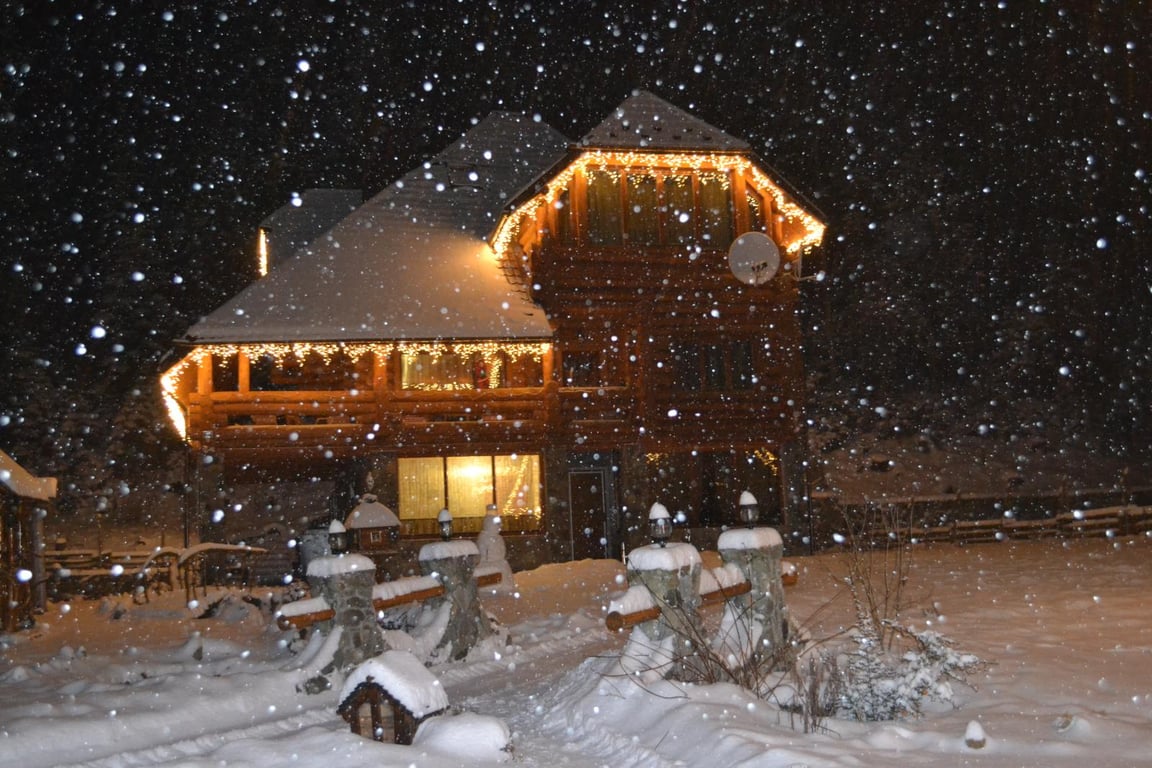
pixel 659 524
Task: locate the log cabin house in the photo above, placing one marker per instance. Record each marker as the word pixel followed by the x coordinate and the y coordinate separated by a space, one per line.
pixel 547 326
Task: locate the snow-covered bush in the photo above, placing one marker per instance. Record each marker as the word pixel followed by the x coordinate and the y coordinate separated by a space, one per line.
pixel 878 685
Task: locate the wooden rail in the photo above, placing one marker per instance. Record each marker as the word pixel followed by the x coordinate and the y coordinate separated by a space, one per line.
pixel 616 621
pixel 305 620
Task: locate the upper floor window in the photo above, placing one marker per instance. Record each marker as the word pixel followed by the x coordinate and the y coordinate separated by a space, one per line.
pixel 647 207
pixel 310 372
pixel 449 370
pixel 723 366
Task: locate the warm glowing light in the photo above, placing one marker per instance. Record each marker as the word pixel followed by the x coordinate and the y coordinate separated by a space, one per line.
pixel 767 458
pixel 492 352
pixel 262 252
pixel 504 240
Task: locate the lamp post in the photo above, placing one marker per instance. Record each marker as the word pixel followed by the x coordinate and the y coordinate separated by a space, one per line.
pixel 444 519
pixel 749 509
pixel 659 524
pixel 337 538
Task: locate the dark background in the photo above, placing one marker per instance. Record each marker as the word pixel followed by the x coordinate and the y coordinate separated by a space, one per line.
pixel 983 168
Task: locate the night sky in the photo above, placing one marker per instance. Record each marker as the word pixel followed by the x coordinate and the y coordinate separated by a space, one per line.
pixel 983 168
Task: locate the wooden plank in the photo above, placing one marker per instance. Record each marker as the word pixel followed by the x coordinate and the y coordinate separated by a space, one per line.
pixel 616 621
pixel 305 620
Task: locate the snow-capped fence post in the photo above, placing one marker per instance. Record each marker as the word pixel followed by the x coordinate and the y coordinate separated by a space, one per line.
pixel 758 616
pixel 668 577
pixel 345 583
pixel 453 563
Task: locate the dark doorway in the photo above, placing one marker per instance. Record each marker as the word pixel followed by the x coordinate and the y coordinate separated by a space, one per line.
pixel 588 494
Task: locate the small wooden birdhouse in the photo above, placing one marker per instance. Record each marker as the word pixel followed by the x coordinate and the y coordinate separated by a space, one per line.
pixel 372 525
pixel 387 697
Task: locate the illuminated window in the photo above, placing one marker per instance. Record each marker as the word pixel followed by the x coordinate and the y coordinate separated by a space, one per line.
pixel 466 485
pixel 449 371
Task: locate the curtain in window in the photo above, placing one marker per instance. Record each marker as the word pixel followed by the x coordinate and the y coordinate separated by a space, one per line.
pixel 679 209
pixel 716 209
pixel 643 225
pixel 604 208
pixel 518 491
pixel 447 371
pixel 473 482
pixel 421 488
pixel 469 485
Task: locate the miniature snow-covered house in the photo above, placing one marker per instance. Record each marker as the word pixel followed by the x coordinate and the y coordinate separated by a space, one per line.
pixel 373 526
pixel 560 329
pixel 387 697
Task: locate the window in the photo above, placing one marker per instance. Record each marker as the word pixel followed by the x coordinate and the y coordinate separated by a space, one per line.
pixel 582 369
pixel 757 219
pixel 686 367
pixel 225 377
pixel 679 209
pixel 643 227
pixel 715 210
pixel 654 207
pixel 448 371
pixel 726 366
pixel 312 373
pixel 604 207
pixel 466 485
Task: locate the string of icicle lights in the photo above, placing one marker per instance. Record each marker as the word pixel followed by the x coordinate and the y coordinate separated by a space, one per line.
pixel 601 160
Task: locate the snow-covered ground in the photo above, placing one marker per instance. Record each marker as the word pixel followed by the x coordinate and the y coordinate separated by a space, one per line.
pixel 1064 625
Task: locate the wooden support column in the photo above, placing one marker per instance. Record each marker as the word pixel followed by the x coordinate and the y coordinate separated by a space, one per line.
pixel 243 372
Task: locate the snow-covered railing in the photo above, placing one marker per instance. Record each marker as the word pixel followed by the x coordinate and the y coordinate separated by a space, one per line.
pixel 717 585
pixel 636 606
pixel 302 614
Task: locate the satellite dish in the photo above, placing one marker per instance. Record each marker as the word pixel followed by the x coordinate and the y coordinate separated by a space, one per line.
pixel 754 258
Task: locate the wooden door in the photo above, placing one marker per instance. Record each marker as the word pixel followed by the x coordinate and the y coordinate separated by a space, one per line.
pixel 588 508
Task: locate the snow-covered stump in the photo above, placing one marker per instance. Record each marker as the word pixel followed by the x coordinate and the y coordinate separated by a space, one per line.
pixel 667 645
pixel 453 563
pixel 754 626
pixel 345 583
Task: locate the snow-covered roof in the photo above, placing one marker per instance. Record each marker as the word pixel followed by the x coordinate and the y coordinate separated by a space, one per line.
pixel 309 215
pixel 23 483
pixel 370 513
pixel 411 263
pixel 405 678
pixel 645 121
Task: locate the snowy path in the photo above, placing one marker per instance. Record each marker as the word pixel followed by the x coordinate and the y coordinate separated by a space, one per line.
pixel 510 687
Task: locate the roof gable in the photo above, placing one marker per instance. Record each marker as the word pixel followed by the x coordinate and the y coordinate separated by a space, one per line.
pixel 645 121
